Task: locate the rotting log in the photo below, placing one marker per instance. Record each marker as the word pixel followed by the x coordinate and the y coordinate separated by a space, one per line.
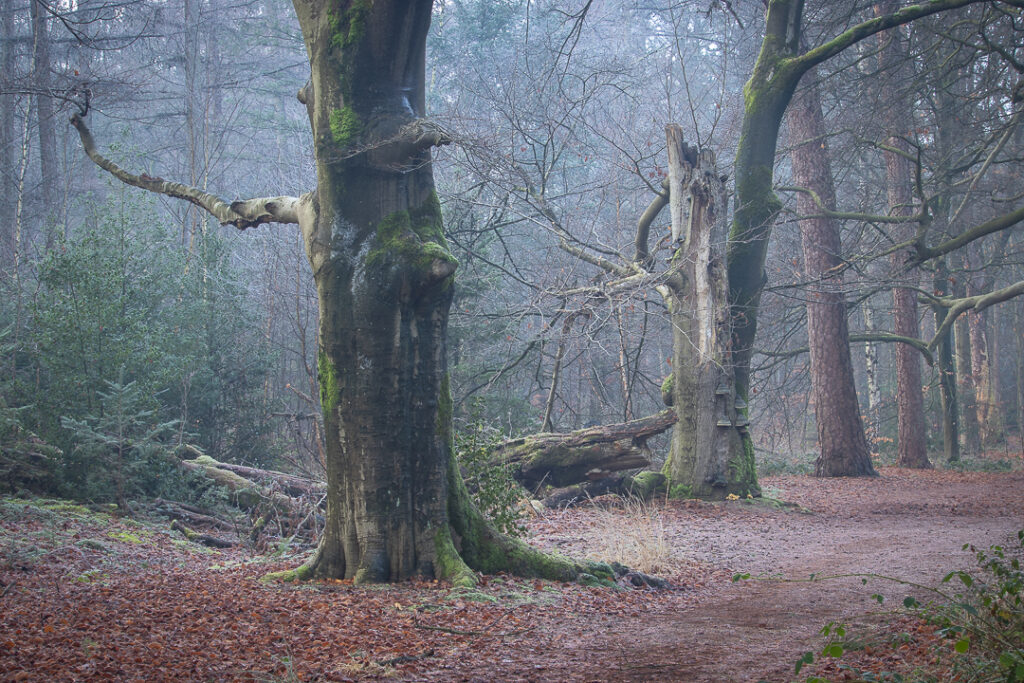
pixel 643 485
pixel 246 494
pixel 590 454
pixel 202 539
pixel 191 514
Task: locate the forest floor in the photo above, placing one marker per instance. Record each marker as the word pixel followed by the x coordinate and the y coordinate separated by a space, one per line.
pixel 88 596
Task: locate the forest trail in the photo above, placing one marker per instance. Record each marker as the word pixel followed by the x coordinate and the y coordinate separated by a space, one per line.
pixel 904 524
pixel 88 596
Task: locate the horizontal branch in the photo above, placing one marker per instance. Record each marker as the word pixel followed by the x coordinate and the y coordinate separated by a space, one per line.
pixel 866 29
pixel 880 337
pixel 1007 220
pixel 977 303
pixel 846 215
pixel 242 214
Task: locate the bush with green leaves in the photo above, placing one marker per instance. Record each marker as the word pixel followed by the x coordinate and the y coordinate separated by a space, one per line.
pixel 491 484
pixel 986 617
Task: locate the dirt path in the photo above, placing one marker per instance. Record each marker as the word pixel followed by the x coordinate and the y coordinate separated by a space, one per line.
pixel 910 525
pixel 88 596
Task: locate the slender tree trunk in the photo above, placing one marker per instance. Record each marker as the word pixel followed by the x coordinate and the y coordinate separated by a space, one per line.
pixel 965 373
pixel 844 450
pixel 707 457
pixel 46 125
pixel 871 370
pixel 8 140
pixel 911 441
pixel 1018 366
pixel 947 371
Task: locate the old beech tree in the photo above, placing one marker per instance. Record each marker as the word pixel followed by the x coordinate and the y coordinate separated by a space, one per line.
pixel 396 503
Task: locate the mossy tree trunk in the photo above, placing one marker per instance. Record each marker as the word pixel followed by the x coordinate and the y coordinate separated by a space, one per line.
pixel 396 505
pixel 707 457
pixel 778 69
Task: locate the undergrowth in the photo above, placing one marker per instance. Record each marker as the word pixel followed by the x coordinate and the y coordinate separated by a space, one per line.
pixel 491 484
pixel 978 614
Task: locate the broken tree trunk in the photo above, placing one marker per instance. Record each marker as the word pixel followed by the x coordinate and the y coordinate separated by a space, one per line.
pixel 709 457
pixel 583 455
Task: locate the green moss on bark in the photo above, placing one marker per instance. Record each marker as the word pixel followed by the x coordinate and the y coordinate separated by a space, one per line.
pixel 743 471
pixel 328 377
pixel 416 237
pixel 301 573
pixel 449 565
pixel 345 126
pixel 349 27
pixel 646 484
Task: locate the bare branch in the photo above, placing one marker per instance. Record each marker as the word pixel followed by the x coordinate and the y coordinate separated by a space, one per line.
pixel 880 337
pixel 849 216
pixel 977 303
pixel 242 214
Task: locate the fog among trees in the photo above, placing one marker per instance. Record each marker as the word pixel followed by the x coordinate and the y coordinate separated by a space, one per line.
pixel 725 238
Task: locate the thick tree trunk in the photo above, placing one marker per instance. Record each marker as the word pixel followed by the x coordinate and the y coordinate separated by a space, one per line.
pixel 844 450
pixel 911 441
pixel 396 504
pixel 707 457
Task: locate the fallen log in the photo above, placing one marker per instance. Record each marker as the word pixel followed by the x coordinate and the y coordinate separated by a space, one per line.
pixel 588 454
pixel 643 485
pixel 190 514
pixel 203 539
pixel 244 493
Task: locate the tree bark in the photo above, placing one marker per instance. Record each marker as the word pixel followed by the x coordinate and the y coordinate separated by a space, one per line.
pixel 947 371
pixel 911 442
pixel 708 458
pixel 965 375
pixel 585 454
pixel 843 448
pixel 767 93
pixel 8 144
pixel 396 503
pixel 46 125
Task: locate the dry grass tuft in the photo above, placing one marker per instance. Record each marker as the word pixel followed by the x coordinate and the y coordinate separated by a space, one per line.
pixel 632 533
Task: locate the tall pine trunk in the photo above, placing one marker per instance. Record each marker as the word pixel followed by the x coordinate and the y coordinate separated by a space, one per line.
pixel 46 126
pixel 843 449
pixel 911 441
pixel 8 143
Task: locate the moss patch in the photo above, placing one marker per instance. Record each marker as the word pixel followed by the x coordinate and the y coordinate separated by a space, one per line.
pixel 327 375
pixel 449 565
pixel 301 573
pixel 349 27
pixel 415 237
pixel 680 491
pixel 345 126
pixel 666 389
